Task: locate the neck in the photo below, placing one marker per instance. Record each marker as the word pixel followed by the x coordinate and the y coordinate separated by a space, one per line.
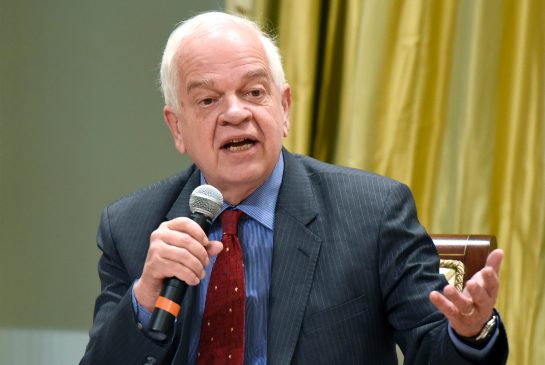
pixel 234 195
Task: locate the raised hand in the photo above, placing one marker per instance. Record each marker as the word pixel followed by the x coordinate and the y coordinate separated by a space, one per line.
pixel 468 311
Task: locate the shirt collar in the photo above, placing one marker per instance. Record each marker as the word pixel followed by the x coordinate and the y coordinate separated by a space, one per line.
pixel 261 204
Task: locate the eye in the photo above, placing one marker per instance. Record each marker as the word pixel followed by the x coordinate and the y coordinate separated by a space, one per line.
pixel 206 101
pixel 255 93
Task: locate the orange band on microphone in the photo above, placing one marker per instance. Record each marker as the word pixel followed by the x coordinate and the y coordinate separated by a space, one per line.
pixel 168 305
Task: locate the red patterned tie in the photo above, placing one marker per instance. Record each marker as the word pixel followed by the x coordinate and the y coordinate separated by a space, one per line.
pixel 222 328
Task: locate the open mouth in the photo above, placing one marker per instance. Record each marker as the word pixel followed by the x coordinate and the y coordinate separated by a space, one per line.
pixel 238 144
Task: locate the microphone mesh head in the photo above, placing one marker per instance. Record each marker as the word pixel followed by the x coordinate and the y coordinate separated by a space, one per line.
pixel 206 200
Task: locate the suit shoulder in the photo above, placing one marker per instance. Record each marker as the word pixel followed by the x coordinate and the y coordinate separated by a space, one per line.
pixel 159 195
pixel 329 173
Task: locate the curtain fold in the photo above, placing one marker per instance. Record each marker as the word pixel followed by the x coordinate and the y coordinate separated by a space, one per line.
pixel 446 96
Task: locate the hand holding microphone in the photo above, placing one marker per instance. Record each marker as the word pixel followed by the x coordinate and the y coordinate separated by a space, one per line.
pixel 179 251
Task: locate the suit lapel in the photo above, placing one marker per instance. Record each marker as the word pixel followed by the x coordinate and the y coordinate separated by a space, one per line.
pixel 295 253
pixel 180 208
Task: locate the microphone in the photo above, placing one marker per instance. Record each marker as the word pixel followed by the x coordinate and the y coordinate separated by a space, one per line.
pixel 205 203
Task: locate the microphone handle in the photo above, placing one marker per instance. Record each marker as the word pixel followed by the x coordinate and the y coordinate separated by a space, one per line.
pixel 167 305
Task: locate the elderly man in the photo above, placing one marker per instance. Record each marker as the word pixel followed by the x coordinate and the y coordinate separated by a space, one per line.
pixel 336 268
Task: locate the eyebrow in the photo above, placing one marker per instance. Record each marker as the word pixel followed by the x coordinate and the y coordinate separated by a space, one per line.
pixel 199 84
pixel 256 74
pixel 252 74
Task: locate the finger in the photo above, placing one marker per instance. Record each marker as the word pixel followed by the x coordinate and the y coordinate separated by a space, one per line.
pixel 161 268
pixel 188 226
pixel 480 297
pixel 185 258
pixel 490 281
pixel 463 303
pixel 180 240
pixel 214 247
pixel 183 273
pixel 443 304
pixel 163 258
pixel 467 325
pixel 494 260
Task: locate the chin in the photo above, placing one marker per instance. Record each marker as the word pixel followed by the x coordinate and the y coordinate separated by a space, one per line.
pixel 246 178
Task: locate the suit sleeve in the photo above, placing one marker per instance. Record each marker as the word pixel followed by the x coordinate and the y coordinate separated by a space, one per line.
pixel 409 272
pixel 116 337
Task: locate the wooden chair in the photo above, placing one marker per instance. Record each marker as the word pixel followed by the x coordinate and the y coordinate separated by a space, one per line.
pixel 471 250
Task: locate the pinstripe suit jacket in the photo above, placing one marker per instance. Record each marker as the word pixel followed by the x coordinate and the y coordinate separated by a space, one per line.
pixel 351 272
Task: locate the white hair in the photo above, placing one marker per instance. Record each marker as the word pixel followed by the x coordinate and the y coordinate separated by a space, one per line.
pixel 207 22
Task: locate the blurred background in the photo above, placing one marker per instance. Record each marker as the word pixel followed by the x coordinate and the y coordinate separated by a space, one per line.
pixel 80 126
pixel 446 96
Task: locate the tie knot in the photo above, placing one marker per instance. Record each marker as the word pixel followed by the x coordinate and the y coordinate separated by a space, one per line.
pixel 229 220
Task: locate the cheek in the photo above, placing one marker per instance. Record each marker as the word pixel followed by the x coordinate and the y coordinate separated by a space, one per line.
pixel 200 136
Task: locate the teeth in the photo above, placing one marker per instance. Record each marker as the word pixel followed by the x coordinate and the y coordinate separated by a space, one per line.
pixel 238 144
pixel 240 148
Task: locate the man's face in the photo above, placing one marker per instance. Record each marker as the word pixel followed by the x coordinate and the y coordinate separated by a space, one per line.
pixel 232 116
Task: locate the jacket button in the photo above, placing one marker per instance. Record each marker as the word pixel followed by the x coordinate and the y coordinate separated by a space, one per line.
pixel 150 360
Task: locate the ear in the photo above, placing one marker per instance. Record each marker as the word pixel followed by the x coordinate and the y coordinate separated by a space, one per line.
pixel 286 106
pixel 173 123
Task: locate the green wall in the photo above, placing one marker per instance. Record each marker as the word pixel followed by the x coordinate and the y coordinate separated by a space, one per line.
pixel 80 126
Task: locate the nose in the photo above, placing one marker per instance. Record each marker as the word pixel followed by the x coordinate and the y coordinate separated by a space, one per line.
pixel 235 111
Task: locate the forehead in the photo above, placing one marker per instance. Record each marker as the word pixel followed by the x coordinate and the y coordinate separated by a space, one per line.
pixel 228 52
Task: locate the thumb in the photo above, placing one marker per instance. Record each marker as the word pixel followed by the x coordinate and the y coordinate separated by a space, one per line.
pixel 214 247
pixel 494 259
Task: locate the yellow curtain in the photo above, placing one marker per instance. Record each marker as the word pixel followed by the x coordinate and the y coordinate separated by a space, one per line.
pixel 446 96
